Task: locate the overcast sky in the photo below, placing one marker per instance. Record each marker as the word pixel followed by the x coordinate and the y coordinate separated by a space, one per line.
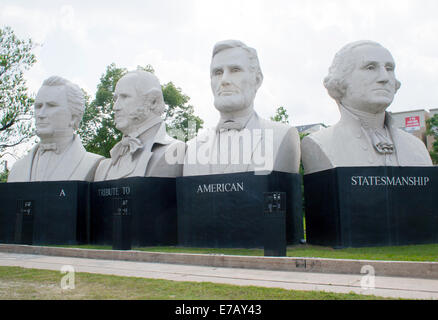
pixel 295 40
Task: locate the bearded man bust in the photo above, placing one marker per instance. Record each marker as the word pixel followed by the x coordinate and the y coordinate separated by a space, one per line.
pixel 145 149
pixel 242 141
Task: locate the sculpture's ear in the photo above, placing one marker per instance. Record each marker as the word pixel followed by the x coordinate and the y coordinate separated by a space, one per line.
pixel 259 80
pixel 153 99
pixel 74 123
pixel 336 88
pixel 397 85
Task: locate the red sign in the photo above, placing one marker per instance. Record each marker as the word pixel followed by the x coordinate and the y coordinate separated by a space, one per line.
pixel 412 122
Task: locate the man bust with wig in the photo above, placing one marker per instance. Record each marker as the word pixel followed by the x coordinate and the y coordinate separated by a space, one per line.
pixel 362 82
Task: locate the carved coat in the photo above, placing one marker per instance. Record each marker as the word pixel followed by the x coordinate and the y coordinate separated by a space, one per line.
pixel 346 144
pixel 286 149
pixel 151 159
pixel 79 165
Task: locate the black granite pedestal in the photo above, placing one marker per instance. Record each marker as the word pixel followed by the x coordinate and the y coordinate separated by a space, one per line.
pixel 227 210
pixel 372 206
pixel 44 213
pixel 274 224
pixel 139 210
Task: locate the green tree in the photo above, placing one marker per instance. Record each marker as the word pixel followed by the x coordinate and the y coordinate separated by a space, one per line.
pixel 15 103
pixel 281 115
pixel 98 131
pixel 302 135
pixel 4 174
pixel 181 121
pixel 432 130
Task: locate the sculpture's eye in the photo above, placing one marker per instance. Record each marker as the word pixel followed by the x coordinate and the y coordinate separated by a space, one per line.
pixel 218 72
pixel 370 67
pixel 389 68
pixel 236 69
pixel 38 105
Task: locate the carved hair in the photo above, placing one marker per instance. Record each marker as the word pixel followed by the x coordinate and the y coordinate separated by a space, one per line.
pixel 252 54
pixel 75 96
pixel 148 85
pixel 342 66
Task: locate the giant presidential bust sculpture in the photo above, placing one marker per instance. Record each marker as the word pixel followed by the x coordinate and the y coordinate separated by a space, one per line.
pixel 145 149
pixel 242 141
pixel 59 106
pixel 362 81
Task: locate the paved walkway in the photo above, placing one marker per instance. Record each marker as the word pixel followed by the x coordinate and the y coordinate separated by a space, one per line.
pixel 398 287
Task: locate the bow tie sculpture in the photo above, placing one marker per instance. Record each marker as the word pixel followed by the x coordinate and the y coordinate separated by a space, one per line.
pixel 381 143
pixel 229 125
pixel 384 147
pixel 127 144
pixel 43 147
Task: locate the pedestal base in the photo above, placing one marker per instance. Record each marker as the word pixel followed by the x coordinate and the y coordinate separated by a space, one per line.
pixel 372 206
pixel 44 213
pixel 150 202
pixel 227 211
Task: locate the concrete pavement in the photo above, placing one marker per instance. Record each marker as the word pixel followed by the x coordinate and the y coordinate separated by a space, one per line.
pixel 410 269
pixel 397 287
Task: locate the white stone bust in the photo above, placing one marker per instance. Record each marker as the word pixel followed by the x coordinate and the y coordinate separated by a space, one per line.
pixel 145 149
pixel 362 81
pixel 242 141
pixel 59 106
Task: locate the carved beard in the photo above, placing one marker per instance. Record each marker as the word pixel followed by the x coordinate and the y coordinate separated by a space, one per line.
pixel 234 102
pixel 128 122
pixel 140 115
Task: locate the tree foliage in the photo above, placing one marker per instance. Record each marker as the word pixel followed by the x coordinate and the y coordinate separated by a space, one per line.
pixel 4 175
pixel 98 131
pixel 181 121
pixel 97 128
pixel 15 103
pixel 432 130
pixel 281 115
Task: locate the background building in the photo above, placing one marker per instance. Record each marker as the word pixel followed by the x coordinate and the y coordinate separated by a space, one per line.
pixel 411 121
pixel 414 122
pixel 430 139
pixel 310 128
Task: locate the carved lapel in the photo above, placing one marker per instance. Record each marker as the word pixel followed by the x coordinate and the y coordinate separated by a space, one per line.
pixel 27 164
pixel 70 161
pixel 142 164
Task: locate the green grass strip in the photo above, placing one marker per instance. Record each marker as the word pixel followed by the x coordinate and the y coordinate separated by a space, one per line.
pixel 427 252
pixel 33 284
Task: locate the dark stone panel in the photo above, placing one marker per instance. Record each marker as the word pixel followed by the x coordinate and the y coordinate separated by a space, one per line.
pixel 274 224
pixel 321 208
pixel 59 212
pixel 151 206
pixel 226 210
pixel 372 206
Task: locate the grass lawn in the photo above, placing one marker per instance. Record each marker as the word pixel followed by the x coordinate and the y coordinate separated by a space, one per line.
pixel 30 284
pixel 428 252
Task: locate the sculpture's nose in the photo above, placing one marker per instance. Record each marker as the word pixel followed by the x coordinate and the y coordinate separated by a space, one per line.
pixel 117 105
pixel 383 75
pixel 225 80
pixel 41 112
